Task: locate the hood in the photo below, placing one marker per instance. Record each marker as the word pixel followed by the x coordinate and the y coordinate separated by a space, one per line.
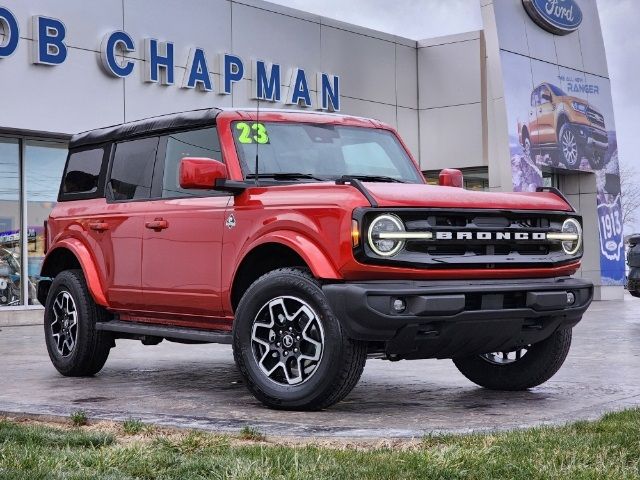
pixel 420 195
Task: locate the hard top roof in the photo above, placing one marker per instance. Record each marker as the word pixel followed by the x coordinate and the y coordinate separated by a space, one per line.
pixel 160 124
pixel 172 122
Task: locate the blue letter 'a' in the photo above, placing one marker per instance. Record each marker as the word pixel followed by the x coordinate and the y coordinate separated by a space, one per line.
pixel 197 71
pixel 49 47
pixel 267 85
pixel 298 88
pixel 11 32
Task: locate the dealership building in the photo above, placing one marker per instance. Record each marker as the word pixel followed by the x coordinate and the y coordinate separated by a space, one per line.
pixel 487 102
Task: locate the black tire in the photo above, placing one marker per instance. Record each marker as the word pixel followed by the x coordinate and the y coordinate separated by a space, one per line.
pixel 635 293
pixel 341 360
pixel 540 362
pixel 91 347
pixel 596 160
pixel 568 145
pixel 527 148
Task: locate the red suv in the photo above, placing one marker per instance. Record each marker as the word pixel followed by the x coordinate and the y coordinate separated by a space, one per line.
pixel 334 251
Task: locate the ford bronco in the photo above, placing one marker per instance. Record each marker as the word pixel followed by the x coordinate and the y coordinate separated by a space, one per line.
pixel 309 242
pixel 566 127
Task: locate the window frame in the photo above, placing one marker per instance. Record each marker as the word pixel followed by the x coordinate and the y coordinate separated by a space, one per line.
pixel 100 188
pixel 108 193
pixel 157 185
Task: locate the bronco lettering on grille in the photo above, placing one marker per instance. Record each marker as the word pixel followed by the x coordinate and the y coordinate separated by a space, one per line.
pixel 445 235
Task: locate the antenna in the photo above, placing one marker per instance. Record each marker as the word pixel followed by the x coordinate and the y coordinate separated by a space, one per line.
pixel 257 163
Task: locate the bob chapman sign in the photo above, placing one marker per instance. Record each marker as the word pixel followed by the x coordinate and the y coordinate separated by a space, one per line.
pixel 556 16
pixel 49 48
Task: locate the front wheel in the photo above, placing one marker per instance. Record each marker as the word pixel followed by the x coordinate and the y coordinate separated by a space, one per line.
pixel 75 347
pixel 289 346
pixel 520 369
pixel 569 147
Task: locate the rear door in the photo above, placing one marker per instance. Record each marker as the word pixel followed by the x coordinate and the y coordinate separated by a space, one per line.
pixel 183 236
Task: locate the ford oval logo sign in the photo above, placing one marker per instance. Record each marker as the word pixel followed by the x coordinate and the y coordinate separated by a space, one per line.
pixel 556 16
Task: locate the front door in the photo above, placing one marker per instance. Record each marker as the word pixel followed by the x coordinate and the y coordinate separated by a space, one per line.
pixel 182 240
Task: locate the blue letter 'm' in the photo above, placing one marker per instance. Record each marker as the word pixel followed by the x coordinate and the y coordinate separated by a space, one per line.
pixel 49 47
pixel 267 85
pixel 108 54
pixel 11 32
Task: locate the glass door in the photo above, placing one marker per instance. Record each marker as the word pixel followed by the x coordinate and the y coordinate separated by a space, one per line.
pixel 11 290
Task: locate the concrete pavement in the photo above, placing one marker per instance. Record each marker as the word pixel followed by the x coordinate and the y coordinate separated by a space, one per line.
pixel 198 386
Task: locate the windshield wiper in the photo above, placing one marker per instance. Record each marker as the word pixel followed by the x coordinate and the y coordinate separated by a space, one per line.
pixel 373 178
pixel 286 176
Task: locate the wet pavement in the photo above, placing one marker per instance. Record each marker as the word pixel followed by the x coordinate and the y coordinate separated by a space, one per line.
pixel 198 386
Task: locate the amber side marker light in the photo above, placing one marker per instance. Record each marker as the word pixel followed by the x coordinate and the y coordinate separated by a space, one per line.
pixel 355 233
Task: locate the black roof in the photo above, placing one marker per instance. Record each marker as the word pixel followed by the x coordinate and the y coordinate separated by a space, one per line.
pixel 157 125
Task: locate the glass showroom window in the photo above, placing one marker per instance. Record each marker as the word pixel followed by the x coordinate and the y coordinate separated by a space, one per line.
pixel 10 224
pixel 43 165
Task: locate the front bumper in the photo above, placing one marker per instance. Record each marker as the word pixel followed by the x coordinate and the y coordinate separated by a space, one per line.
pixel 447 319
pixel 591 138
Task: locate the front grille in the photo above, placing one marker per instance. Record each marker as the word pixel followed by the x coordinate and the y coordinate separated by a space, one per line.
pixel 595 118
pixel 475 239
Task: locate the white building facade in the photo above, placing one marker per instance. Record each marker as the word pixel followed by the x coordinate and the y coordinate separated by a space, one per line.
pixel 459 101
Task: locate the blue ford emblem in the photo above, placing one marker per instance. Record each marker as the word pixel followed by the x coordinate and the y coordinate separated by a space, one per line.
pixel 556 16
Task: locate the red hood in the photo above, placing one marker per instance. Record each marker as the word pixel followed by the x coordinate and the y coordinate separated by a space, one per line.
pixel 413 195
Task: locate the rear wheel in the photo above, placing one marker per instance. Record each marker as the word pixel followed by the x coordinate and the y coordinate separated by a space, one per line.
pixel 75 347
pixel 289 346
pixel 519 369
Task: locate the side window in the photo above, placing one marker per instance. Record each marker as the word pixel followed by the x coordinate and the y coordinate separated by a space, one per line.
pixel 545 95
pixel 534 98
pixel 132 169
pixel 195 143
pixel 82 174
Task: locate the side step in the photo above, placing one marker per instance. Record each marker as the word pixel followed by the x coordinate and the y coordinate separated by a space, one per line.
pixel 163 331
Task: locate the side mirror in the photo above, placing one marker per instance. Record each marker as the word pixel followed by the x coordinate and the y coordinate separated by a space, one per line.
pixel 546 97
pixel 451 177
pixel 201 173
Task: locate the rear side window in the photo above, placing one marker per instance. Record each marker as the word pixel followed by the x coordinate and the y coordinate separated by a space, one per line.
pixel 82 174
pixel 132 169
pixel 195 143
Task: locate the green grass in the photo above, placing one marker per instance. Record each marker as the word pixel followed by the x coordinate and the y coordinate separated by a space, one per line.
pixel 134 427
pixel 79 418
pixel 606 449
pixel 251 433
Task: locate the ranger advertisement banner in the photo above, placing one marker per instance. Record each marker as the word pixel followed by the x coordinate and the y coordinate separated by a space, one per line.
pixel 562 120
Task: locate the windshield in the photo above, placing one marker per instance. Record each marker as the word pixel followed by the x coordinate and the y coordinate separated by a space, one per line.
pixel 324 152
pixel 557 91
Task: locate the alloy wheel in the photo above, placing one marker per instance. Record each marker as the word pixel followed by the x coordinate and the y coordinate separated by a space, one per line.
pixel 570 148
pixel 504 358
pixel 287 340
pixel 64 327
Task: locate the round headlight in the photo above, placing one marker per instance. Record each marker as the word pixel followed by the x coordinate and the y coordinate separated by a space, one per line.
pixel 571 226
pixel 379 242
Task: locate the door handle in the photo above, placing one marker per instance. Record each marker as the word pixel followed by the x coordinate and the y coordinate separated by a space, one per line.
pixel 157 224
pixel 99 226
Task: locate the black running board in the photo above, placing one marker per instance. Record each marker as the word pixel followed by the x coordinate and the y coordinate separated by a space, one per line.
pixel 163 331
